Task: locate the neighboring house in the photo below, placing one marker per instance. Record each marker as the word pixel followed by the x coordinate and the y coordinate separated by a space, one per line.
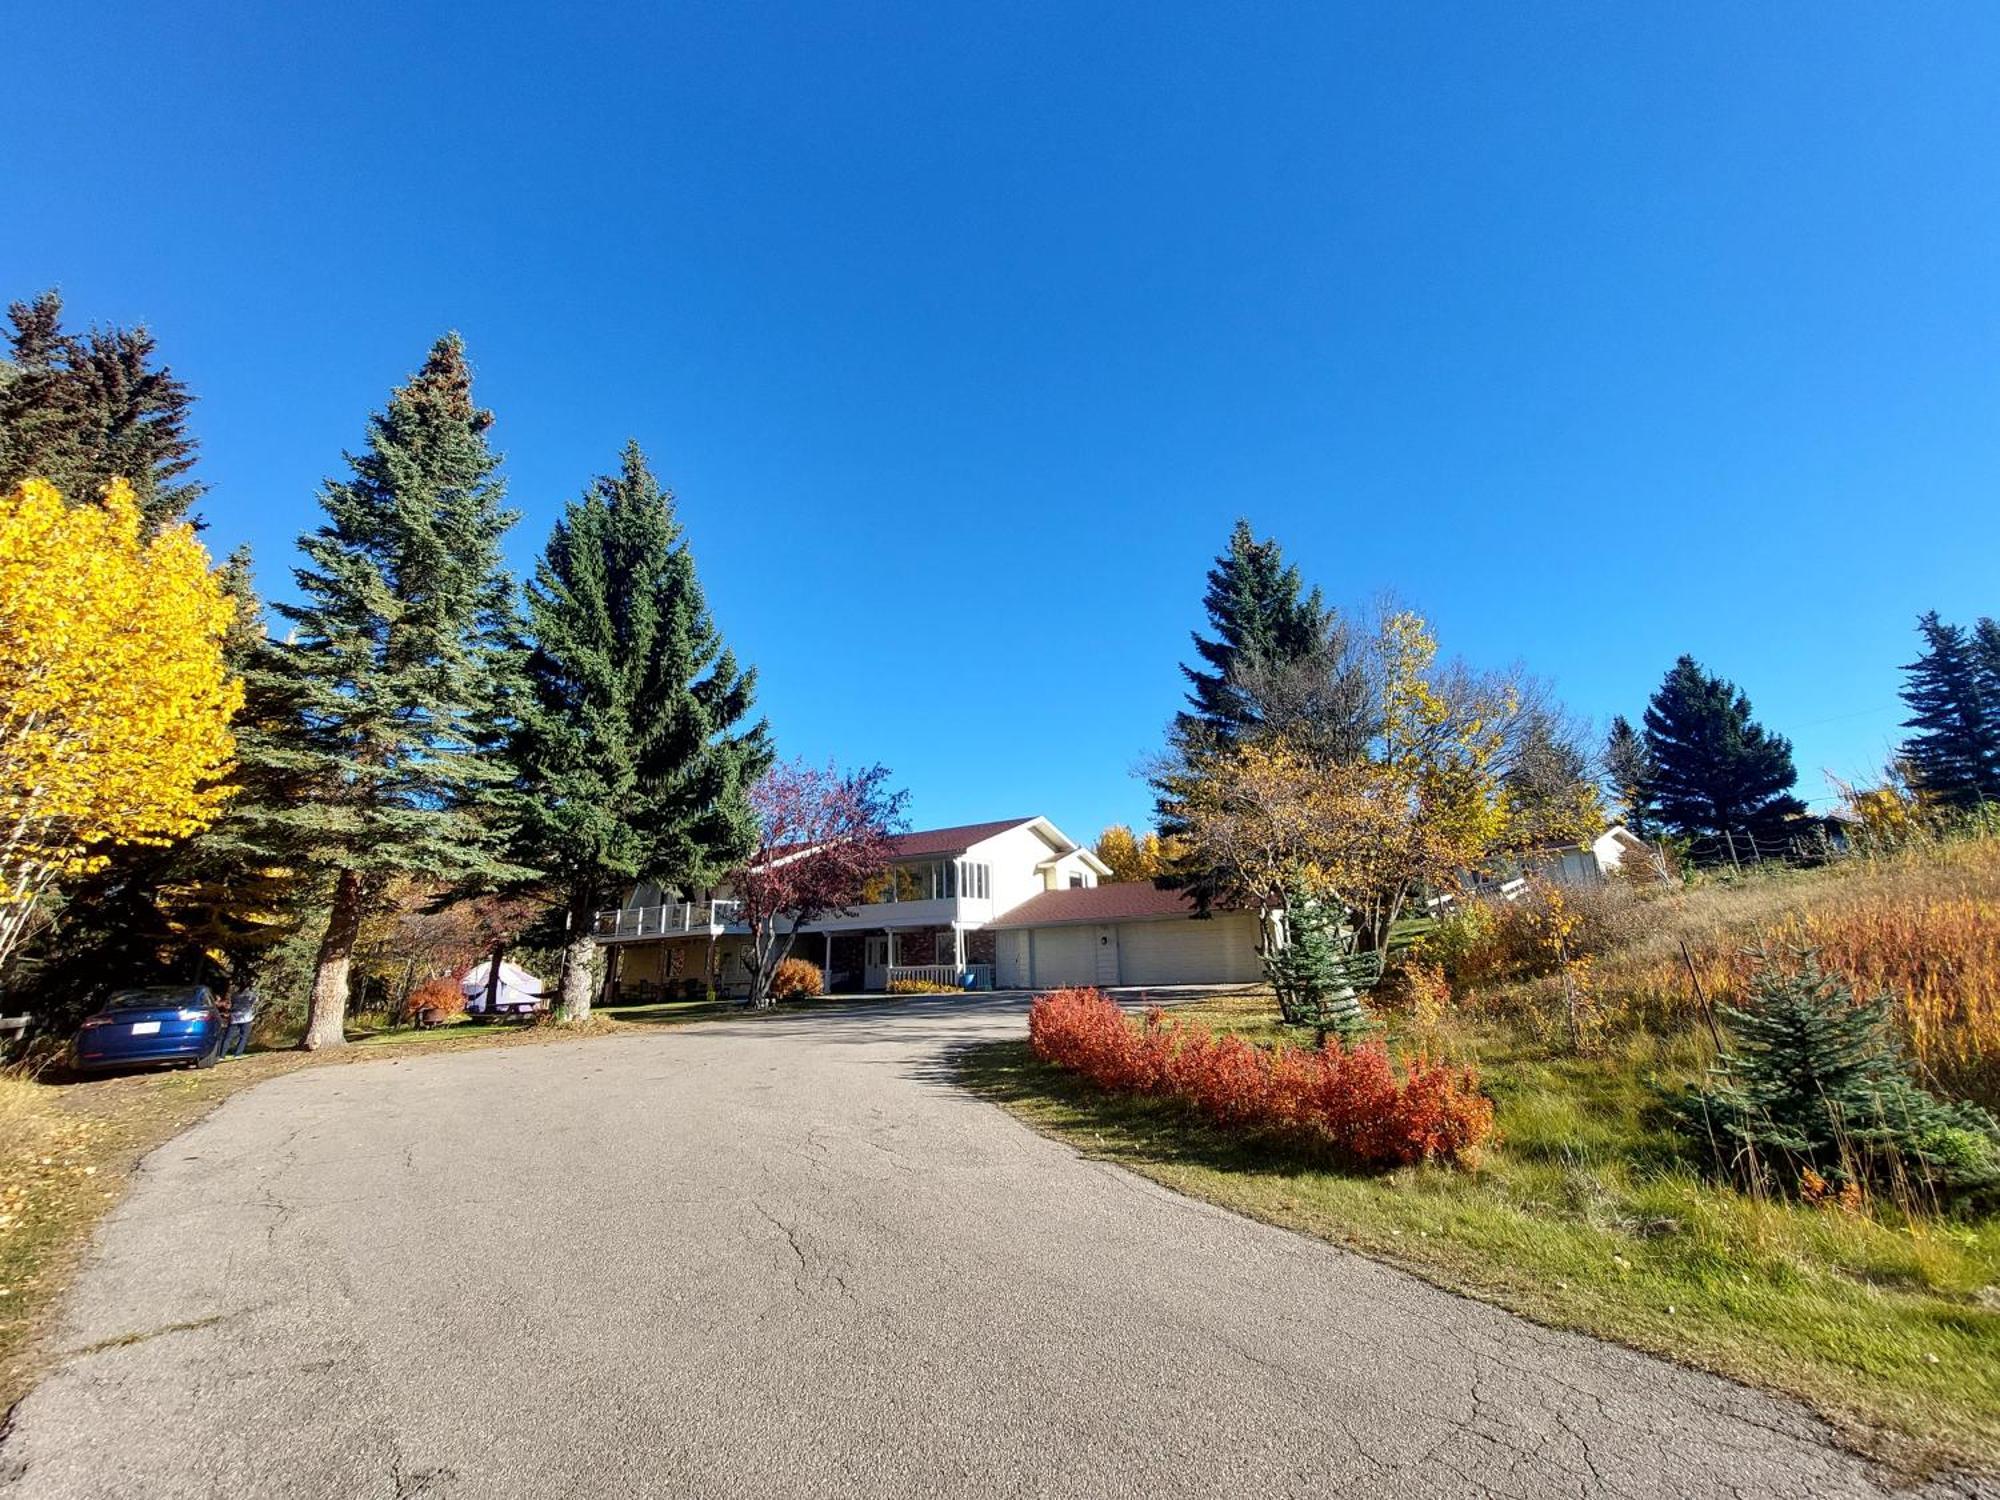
pixel 1575 865
pixel 1006 904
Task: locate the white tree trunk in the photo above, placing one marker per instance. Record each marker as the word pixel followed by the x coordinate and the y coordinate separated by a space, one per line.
pixel 574 1002
pixel 326 1021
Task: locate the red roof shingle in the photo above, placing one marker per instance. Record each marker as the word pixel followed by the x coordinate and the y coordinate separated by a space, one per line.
pixel 948 840
pixel 1124 901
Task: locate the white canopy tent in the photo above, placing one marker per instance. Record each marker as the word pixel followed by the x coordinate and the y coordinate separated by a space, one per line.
pixel 518 989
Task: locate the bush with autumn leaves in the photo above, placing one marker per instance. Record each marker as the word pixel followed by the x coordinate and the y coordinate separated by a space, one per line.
pixel 1353 1103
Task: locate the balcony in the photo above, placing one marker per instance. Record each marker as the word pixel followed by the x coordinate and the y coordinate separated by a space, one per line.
pixel 673 919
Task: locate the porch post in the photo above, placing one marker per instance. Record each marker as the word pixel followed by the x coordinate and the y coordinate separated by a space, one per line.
pixel 826 969
pixel 958 946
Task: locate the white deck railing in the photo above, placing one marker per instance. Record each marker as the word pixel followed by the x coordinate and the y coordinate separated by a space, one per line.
pixel 665 920
pixel 951 974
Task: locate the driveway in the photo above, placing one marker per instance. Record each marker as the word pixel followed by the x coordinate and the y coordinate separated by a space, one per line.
pixel 786 1257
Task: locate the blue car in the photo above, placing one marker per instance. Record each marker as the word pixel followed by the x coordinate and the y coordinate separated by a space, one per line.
pixel 181 1023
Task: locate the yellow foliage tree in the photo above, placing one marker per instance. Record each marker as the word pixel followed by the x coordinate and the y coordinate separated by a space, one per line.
pixel 115 703
pixel 1421 803
pixel 1135 857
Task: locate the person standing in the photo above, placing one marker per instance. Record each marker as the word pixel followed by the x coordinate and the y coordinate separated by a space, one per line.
pixel 242 1011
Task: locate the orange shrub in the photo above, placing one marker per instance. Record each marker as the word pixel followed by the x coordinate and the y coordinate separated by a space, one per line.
pixel 1350 1102
pixel 441 995
pixel 1922 926
pixel 796 979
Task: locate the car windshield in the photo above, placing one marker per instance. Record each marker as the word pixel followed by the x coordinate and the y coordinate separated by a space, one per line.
pixel 152 999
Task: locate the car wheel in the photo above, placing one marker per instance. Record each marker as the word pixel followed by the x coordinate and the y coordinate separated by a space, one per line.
pixel 211 1057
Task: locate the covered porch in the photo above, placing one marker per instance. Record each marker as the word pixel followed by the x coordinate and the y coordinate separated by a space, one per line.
pixel 869 960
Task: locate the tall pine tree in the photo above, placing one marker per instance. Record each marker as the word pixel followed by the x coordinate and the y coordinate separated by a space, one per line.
pixel 402 666
pixel 1259 612
pixel 82 409
pixel 634 759
pixel 1953 693
pixel 1262 621
pixel 1718 777
pixel 1628 771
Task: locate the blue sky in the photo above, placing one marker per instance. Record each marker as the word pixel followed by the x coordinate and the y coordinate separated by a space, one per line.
pixel 964 333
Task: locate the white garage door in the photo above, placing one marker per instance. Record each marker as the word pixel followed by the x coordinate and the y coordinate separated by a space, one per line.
pixel 1065 955
pixel 1183 950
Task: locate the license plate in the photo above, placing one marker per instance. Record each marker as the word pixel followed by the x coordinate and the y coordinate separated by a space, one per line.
pixel 145 1028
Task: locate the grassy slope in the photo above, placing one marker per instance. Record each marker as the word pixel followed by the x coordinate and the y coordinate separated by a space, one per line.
pixel 1584 1218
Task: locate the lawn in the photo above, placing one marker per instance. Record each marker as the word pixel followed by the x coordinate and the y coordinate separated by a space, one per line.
pixel 1585 1217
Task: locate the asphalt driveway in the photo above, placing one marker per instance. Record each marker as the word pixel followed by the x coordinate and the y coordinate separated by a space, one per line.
pixel 787 1257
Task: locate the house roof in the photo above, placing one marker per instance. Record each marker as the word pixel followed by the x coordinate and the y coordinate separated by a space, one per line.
pixel 1124 901
pixel 948 840
pixel 932 843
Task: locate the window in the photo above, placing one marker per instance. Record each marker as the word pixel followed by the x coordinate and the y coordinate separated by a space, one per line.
pixel 974 881
pixel 1076 881
pixel 944 948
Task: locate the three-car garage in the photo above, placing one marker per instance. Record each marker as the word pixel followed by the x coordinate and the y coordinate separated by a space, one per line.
pixel 1125 934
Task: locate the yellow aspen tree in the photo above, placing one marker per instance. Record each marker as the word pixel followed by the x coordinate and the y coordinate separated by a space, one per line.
pixel 115 703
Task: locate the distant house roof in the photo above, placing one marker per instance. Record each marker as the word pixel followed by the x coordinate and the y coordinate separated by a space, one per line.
pixel 1124 901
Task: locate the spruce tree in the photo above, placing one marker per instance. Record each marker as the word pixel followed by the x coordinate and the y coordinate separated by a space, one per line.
pixel 401 666
pixel 1718 777
pixel 633 756
pixel 1953 693
pixel 1306 973
pixel 1262 621
pixel 82 409
pixel 1258 611
pixel 1814 1080
pixel 1628 771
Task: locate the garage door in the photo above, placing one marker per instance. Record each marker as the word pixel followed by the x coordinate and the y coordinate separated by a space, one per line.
pixel 1065 955
pixel 1181 950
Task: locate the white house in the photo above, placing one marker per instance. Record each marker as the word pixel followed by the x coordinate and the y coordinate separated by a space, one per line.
pixel 1013 904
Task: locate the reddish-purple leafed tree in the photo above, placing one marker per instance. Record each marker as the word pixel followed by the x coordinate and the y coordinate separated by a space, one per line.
pixel 825 836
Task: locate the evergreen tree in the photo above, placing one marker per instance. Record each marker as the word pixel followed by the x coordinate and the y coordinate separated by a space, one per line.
pixel 82 409
pixel 401 667
pixel 1263 622
pixel 1953 693
pixel 634 759
pixel 1718 777
pixel 1259 613
pixel 1628 771
pixel 1307 973
pixel 1815 1082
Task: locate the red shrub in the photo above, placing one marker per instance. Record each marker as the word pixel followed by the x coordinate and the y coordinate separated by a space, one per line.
pixel 435 1000
pixel 1349 1101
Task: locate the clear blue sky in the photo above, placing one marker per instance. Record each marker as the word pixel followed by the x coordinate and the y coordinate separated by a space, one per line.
pixel 1600 333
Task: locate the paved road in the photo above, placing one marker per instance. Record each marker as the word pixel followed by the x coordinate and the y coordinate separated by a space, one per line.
pixel 785 1257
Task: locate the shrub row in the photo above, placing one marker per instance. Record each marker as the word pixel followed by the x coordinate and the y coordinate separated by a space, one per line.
pixel 1349 1101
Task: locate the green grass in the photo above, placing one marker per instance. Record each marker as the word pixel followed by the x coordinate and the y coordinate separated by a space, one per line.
pixel 1586 1217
